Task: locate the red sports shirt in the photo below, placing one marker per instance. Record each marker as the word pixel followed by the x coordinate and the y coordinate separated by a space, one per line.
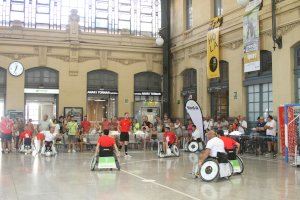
pixel 106 141
pixel 229 143
pixel 6 126
pixel 125 125
pixel 171 137
pixel 26 134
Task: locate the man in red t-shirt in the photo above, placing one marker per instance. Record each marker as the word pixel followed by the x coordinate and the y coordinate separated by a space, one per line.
pixel 106 141
pixel 229 143
pixel 86 125
pixel 124 128
pixel 6 129
pixel 169 138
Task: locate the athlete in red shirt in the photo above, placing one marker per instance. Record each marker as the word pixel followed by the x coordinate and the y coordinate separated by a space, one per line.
pixel 86 125
pixel 229 143
pixel 106 141
pixel 124 128
pixel 169 138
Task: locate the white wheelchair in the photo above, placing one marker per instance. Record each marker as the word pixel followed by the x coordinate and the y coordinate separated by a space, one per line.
pixel 215 167
pixel 195 145
pixel 48 149
pixel 172 151
pixel 26 146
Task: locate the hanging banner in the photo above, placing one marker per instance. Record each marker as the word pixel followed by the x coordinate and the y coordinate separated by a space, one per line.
pixel 194 110
pixel 213 44
pixel 251 37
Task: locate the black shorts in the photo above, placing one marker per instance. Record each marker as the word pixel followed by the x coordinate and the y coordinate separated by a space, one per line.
pixel 271 138
pixel 124 137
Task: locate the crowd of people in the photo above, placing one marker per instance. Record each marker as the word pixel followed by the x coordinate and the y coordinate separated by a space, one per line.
pixel 14 130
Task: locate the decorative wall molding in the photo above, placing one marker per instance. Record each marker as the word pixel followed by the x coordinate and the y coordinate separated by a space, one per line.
pixel 63 58
pixel 16 56
pixel 125 61
pixel 283 30
pixel 84 59
pixel 233 44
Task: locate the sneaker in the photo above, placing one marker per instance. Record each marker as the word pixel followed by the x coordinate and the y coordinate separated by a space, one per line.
pixel 69 151
pixel 74 151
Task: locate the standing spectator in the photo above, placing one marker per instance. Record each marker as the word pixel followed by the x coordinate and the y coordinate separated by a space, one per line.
pixel 153 137
pixel 105 124
pixel 271 134
pixel 44 124
pixel 178 130
pixel 190 128
pixel 16 133
pixel 159 126
pixel 124 128
pixel 86 126
pixel 6 128
pixel 166 119
pixel 242 125
pixel 206 124
pixel 56 126
pixel 136 126
pixel 260 129
pixel 72 128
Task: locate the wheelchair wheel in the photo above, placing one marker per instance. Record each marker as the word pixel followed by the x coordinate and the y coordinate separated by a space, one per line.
pixel 193 146
pixel 93 163
pixel 241 164
pixel 175 150
pixel 209 170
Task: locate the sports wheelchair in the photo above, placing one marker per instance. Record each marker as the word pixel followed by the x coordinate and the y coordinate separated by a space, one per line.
pixel 106 159
pixel 172 150
pixel 195 145
pixel 215 167
pixel 235 161
pixel 48 149
pixel 26 146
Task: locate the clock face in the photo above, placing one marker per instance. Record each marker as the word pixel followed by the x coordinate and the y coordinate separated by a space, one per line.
pixel 16 68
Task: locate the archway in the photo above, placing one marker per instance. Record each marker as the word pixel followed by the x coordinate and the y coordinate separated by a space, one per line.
pixel 41 93
pixel 102 95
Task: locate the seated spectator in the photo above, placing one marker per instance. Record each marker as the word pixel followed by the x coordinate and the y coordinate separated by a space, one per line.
pixel 242 125
pixel 136 125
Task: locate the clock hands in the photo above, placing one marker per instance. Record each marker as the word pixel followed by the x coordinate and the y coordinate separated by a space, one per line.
pixel 16 68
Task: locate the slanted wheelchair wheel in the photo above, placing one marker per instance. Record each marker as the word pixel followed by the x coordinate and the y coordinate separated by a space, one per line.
pixel 93 163
pixel 209 170
pixel 175 150
pixel 193 146
pixel 241 164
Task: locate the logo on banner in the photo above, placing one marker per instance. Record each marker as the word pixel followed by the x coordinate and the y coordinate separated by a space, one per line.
pixel 213 45
pixel 251 37
pixel 194 110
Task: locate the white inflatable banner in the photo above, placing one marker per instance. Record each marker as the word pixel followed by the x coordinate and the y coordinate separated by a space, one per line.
pixel 194 110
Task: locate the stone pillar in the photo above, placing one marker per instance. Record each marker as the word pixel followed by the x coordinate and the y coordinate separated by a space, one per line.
pixel 126 93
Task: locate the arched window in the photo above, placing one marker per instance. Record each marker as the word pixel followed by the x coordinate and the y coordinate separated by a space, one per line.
pixel 102 79
pixel 41 77
pixel 189 79
pixel 147 81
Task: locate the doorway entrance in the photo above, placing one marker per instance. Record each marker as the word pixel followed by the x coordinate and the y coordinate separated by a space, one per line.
pixel 37 105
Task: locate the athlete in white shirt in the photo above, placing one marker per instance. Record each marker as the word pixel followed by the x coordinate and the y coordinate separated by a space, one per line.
pixel 49 139
pixel 271 134
pixel 196 133
pixel 213 146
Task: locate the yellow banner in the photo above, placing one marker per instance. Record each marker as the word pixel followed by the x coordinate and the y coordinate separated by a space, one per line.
pixel 213 53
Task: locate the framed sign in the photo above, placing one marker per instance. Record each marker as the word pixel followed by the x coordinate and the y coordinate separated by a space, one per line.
pixel 16 114
pixel 77 112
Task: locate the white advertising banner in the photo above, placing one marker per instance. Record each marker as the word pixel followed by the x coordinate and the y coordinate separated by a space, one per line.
pixel 194 110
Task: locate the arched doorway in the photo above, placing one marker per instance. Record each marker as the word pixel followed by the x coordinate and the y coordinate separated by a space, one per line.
pixel 219 90
pixel 189 90
pixel 147 95
pixel 2 91
pixel 102 95
pixel 41 93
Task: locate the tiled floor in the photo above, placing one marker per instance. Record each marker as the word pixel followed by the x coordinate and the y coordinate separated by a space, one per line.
pixel 143 176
